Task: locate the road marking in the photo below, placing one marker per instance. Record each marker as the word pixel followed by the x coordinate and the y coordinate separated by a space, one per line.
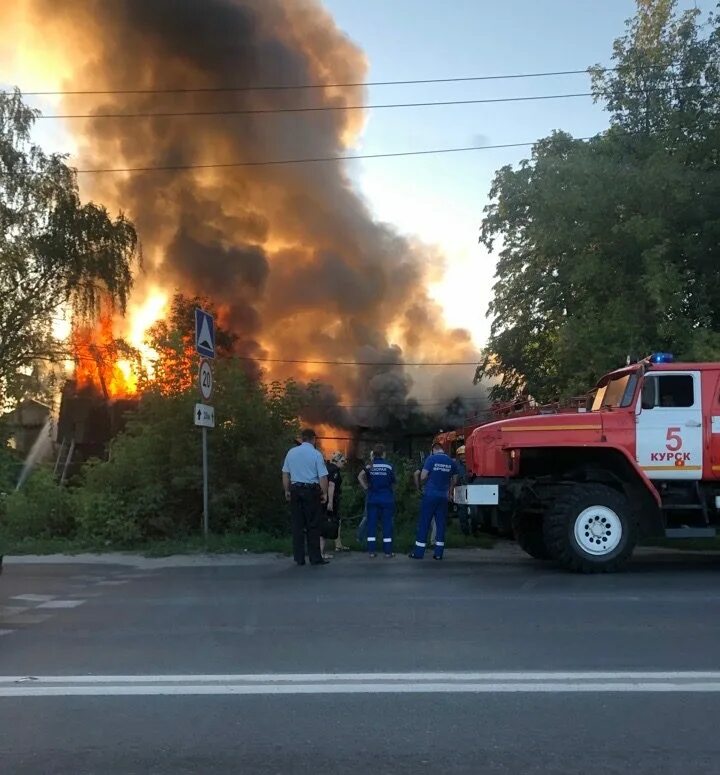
pixel 26 619
pixel 61 604
pixel 12 610
pixel 111 583
pixel 35 598
pixel 360 683
pixel 6 632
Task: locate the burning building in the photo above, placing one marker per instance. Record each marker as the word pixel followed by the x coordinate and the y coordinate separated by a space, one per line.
pixel 177 100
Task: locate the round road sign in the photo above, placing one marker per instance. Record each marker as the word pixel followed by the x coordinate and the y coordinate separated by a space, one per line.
pixel 205 378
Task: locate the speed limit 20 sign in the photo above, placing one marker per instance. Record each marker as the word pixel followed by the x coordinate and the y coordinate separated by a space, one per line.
pixel 205 379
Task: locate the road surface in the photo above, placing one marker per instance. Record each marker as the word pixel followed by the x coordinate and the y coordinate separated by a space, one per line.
pixel 486 662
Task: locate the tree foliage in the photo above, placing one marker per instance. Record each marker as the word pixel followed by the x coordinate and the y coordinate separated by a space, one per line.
pixel 610 247
pixel 55 251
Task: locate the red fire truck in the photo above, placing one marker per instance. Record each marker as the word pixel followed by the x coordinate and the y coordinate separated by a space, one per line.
pixel 582 485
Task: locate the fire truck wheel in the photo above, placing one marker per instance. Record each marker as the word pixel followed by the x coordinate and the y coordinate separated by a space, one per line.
pixel 528 529
pixel 590 528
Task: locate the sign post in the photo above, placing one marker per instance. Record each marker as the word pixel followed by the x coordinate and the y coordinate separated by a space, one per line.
pixel 204 415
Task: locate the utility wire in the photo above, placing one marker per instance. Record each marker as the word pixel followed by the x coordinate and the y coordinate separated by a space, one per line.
pixel 297 87
pixel 316 108
pixel 301 160
pixel 357 363
pixel 260 359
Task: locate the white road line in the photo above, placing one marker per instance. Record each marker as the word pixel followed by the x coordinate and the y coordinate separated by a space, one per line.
pixel 11 610
pixel 61 604
pixel 25 618
pixel 34 598
pixel 360 683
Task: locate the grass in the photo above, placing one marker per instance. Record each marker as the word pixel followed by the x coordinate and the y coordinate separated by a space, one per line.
pixel 229 543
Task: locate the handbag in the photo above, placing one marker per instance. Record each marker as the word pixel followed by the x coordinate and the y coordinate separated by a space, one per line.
pixel 329 525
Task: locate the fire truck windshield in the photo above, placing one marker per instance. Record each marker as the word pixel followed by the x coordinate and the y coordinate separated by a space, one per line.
pixel 616 393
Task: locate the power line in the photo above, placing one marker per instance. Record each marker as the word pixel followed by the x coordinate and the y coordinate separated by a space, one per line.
pixel 315 108
pixel 308 160
pixel 297 87
pixel 113 349
pixel 357 363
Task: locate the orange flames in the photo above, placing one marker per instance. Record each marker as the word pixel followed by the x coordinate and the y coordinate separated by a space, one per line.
pixel 99 365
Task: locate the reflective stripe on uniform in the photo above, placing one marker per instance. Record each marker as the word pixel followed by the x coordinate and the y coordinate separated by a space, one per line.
pixel 417 543
pixel 387 540
pixel 371 538
pixel 439 543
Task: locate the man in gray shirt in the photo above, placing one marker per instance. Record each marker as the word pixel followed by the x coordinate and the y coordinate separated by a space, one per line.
pixel 305 481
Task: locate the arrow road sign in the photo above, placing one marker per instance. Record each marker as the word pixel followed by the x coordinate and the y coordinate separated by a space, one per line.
pixel 204 333
pixel 204 415
pixel 205 378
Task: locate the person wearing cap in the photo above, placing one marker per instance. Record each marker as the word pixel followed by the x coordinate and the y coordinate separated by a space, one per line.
pixel 334 466
pixel 466 516
pixel 439 475
pixel 378 481
pixel 305 481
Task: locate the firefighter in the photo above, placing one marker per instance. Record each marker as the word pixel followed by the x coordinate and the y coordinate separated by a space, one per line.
pixel 378 480
pixel 439 475
pixel 466 514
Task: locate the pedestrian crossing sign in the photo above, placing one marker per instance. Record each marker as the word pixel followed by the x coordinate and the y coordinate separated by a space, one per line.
pixel 204 333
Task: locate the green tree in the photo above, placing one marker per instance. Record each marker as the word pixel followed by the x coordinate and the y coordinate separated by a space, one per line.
pixel 55 251
pixel 610 247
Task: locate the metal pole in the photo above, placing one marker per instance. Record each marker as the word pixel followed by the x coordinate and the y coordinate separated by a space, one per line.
pixel 205 483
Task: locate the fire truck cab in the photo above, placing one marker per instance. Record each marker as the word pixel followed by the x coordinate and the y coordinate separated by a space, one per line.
pixel 582 486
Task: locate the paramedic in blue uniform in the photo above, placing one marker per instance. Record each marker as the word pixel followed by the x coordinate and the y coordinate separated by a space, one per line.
pixel 305 481
pixel 439 475
pixel 378 480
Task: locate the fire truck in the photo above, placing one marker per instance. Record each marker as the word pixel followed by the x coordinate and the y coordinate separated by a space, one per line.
pixel 582 485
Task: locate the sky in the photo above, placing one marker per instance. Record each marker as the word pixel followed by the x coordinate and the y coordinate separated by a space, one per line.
pixel 440 199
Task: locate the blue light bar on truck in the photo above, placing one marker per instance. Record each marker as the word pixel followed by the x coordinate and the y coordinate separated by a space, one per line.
pixel 661 358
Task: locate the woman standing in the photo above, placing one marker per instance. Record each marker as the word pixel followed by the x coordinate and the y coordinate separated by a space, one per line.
pixel 334 466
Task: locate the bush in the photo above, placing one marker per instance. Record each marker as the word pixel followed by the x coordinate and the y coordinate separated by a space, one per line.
pixel 102 517
pixel 40 509
pixel 153 477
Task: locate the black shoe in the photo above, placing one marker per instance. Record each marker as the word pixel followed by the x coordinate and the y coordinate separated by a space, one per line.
pixel 321 562
pixel 372 554
pixel 413 556
pixel 436 558
pixel 299 563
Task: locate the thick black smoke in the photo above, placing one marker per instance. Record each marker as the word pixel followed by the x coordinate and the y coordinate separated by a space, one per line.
pixel 289 254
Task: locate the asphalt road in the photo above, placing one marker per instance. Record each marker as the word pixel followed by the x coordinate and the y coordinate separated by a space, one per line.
pixel 487 662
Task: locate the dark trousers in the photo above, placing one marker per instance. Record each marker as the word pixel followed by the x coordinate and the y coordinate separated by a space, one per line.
pixel 305 513
pixel 383 512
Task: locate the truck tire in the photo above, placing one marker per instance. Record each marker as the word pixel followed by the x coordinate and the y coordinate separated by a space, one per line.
pixel 590 528
pixel 528 530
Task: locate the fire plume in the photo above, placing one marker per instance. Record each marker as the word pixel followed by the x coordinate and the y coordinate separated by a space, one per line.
pixel 99 365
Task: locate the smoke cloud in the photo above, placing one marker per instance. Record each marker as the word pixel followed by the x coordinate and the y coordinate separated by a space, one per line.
pixel 290 254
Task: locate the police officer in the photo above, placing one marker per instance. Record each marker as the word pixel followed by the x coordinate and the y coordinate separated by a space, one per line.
pixel 378 480
pixel 305 481
pixel 439 475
